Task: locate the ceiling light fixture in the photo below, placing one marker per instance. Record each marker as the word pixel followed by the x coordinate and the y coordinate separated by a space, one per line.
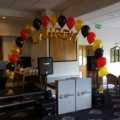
pixel 117 46
pixel 3 17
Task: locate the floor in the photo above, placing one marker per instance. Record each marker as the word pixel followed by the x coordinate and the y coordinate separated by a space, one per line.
pixel 109 111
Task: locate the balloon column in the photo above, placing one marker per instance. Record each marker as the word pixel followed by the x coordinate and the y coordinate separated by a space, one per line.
pixel 13 58
pixel 97 48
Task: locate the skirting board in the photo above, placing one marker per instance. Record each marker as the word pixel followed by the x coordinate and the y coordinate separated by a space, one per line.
pixel 15 84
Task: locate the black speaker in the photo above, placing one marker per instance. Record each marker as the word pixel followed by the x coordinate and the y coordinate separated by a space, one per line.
pixel 98 99
pixel 48 95
pixel 91 64
pixel 44 108
pixel 45 65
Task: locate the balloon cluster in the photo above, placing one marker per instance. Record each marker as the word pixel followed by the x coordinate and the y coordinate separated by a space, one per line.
pixel 97 48
pixel 53 19
pixel 16 49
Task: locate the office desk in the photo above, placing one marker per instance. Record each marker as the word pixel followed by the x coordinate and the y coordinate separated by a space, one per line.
pixel 23 74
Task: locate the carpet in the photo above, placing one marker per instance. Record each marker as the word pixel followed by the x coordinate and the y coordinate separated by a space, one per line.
pixel 109 111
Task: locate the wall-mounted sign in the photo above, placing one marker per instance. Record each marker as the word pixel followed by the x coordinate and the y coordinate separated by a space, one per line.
pixel 98 26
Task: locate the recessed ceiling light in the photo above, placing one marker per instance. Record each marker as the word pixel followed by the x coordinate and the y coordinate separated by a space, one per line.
pixel 3 17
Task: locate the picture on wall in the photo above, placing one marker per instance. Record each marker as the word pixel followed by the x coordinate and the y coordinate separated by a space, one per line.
pixel 62 50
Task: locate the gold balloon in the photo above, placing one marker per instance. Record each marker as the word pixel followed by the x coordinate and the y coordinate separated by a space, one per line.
pixel 75 37
pixel 53 19
pixel 78 25
pixel 30 28
pixel 15 49
pixel 10 74
pixel 64 35
pixel 57 32
pixel 33 37
pixel 97 44
pixel 70 37
pixel 103 71
pixel 100 90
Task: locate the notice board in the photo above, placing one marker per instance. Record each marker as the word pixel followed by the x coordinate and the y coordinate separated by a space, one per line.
pixel 62 49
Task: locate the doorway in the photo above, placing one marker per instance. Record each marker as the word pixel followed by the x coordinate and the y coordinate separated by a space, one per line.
pixel 1 49
pixel 84 51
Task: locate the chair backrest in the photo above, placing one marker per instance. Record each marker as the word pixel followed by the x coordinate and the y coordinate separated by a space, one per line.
pixel 111 79
pixel 119 80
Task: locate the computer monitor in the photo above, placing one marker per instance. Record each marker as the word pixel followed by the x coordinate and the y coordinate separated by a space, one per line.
pixel 25 61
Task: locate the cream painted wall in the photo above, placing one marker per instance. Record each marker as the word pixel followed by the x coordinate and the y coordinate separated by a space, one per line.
pixel 39 49
pixel 62 68
pixel 8 41
pixel 9 28
pixel 109 37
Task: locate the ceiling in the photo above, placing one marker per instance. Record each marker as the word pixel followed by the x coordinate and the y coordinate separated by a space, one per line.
pixel 37 5
pixel 108 16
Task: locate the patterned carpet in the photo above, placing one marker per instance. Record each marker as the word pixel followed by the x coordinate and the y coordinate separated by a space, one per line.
pixel 109 111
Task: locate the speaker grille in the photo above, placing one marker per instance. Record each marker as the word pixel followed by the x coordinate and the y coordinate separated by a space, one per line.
pixel 45 65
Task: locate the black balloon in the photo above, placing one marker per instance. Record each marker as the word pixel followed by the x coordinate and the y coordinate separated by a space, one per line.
pixel 10 66
pixel 37 23
pixel 19 42
pixel 85 30
pixel 62 21
pixel 98 53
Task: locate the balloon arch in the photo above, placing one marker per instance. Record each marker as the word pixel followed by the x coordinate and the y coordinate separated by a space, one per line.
pixel 70 22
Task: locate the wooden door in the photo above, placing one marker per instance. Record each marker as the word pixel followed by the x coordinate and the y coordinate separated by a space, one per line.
pixel 90 52
pixel 1 49
pixel 84 51
pixel 82 60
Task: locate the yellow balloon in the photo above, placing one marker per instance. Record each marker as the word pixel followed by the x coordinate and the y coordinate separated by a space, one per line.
pixel 15 49
pixel 78 25
pixel 10 74
pixel 97 44
pixel 103 71
pixel 53 19
pixel 30 28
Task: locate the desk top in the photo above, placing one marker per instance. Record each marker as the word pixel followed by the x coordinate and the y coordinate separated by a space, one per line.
pixel 26 74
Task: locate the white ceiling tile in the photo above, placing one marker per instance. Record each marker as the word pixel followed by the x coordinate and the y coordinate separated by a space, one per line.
pixel 8 0
pixel 38 7
pixel 112 24
pixel 101 18
pixel 27 1
pixel 47 2
pixel 21 5
pixel 5 3
pixel 65 4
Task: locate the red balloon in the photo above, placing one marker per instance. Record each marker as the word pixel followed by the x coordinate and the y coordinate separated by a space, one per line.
pixel 101 62
pixel 70 23
pixel 91 37
pixel 13 58
pixel 24 34
pixel 45 21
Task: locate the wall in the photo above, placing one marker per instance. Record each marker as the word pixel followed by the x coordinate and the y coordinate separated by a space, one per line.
pixel 63 68
pixel 11 28
pixel 109 37
pixel 8 41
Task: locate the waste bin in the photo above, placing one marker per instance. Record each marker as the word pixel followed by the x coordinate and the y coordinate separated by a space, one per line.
pixel 3 82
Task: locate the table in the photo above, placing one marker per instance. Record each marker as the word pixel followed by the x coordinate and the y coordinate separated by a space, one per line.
pixel 24 74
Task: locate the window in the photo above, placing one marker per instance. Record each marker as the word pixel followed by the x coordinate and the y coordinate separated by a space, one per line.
pixel 115 55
